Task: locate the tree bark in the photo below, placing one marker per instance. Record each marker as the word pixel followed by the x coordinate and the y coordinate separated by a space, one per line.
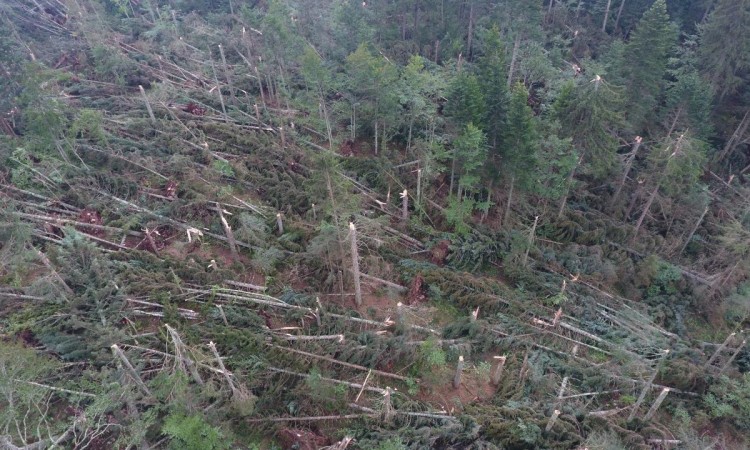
pixel 657 403
pixel 459 370
pixel 355 264
pixel 692 232
pixel 606 16
pixel 646 388
pixel 628 166
pixel 471 30
pixel 181 354
pixel 512 68
pixel 228 232
pixel 130 369
pixel 497 373
pixel 532 235
pixel 645 212
pixel 148 105
pixel 619 13
pixel 510 199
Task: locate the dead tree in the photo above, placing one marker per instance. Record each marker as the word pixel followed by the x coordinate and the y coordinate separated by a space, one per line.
pixel 355 263
pixel 181 354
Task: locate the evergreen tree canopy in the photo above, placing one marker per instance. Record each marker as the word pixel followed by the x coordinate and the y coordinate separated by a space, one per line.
pixel 645 62
pixel 725 47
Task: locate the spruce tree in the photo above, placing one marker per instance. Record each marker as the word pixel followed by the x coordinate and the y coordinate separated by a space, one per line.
pixel 725 46
pixel 465 101
pixel 492 76
pixel 590 114
pixel 645 63
pixel 521 139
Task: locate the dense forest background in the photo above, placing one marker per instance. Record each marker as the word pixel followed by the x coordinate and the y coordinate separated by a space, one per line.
pixel 385 224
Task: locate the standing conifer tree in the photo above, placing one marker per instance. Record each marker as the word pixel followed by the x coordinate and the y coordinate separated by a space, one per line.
pixel 521 142
pixel 492 76
pixel 725 46
pixel 645 61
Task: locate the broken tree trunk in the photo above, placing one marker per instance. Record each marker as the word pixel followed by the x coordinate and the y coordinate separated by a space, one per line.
pixel 229 233
pixel 552 420
pixel 148 105
pixel 405 206
pixel 180 350
pixel 227 375
pixel 657 403
pixel 628 166
pixel 459 371
pixel 532 235
pixel 513 58
pixel 646 388
pixel 279 224
pixel 719 350
pixel 355 264
pixel 732 358
pixel 692 232
pixel 646 209
pixel 497 373
pixel 606 16
pixel 118 353
pixel 387 412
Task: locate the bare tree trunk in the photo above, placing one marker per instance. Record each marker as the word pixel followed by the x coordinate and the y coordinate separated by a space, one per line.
pixel 532 235
pixel 489 203
pixel 118 353
pixel 405 206
pixel 619 13
pixel 453 171
pixel 552 420
pixel 355 263
pixel 279 224
pixel 218 90
pixel 470 37
pixel 354 122
pixel 646 388
pixel 148 105
pixel 568 183
pixel 628 166
pixel 719 350
pixel 656 404
pixel 512 68
pixel 692 232
pixel 459 370
pixel 226 74
pixel 387 411
pixel 736 138
pixel 260 86
pixel 645 212
pixel 224 371
pixel 497 373
pixel 229 233
pixel 732 358
pixel 181 354
pixel 329 186
pixel 506 214
pixel 606 16
pixel 419 187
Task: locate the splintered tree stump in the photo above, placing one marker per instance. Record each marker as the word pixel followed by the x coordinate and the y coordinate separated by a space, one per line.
pixel 440 252
pixel 301 439
pixel 416 291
